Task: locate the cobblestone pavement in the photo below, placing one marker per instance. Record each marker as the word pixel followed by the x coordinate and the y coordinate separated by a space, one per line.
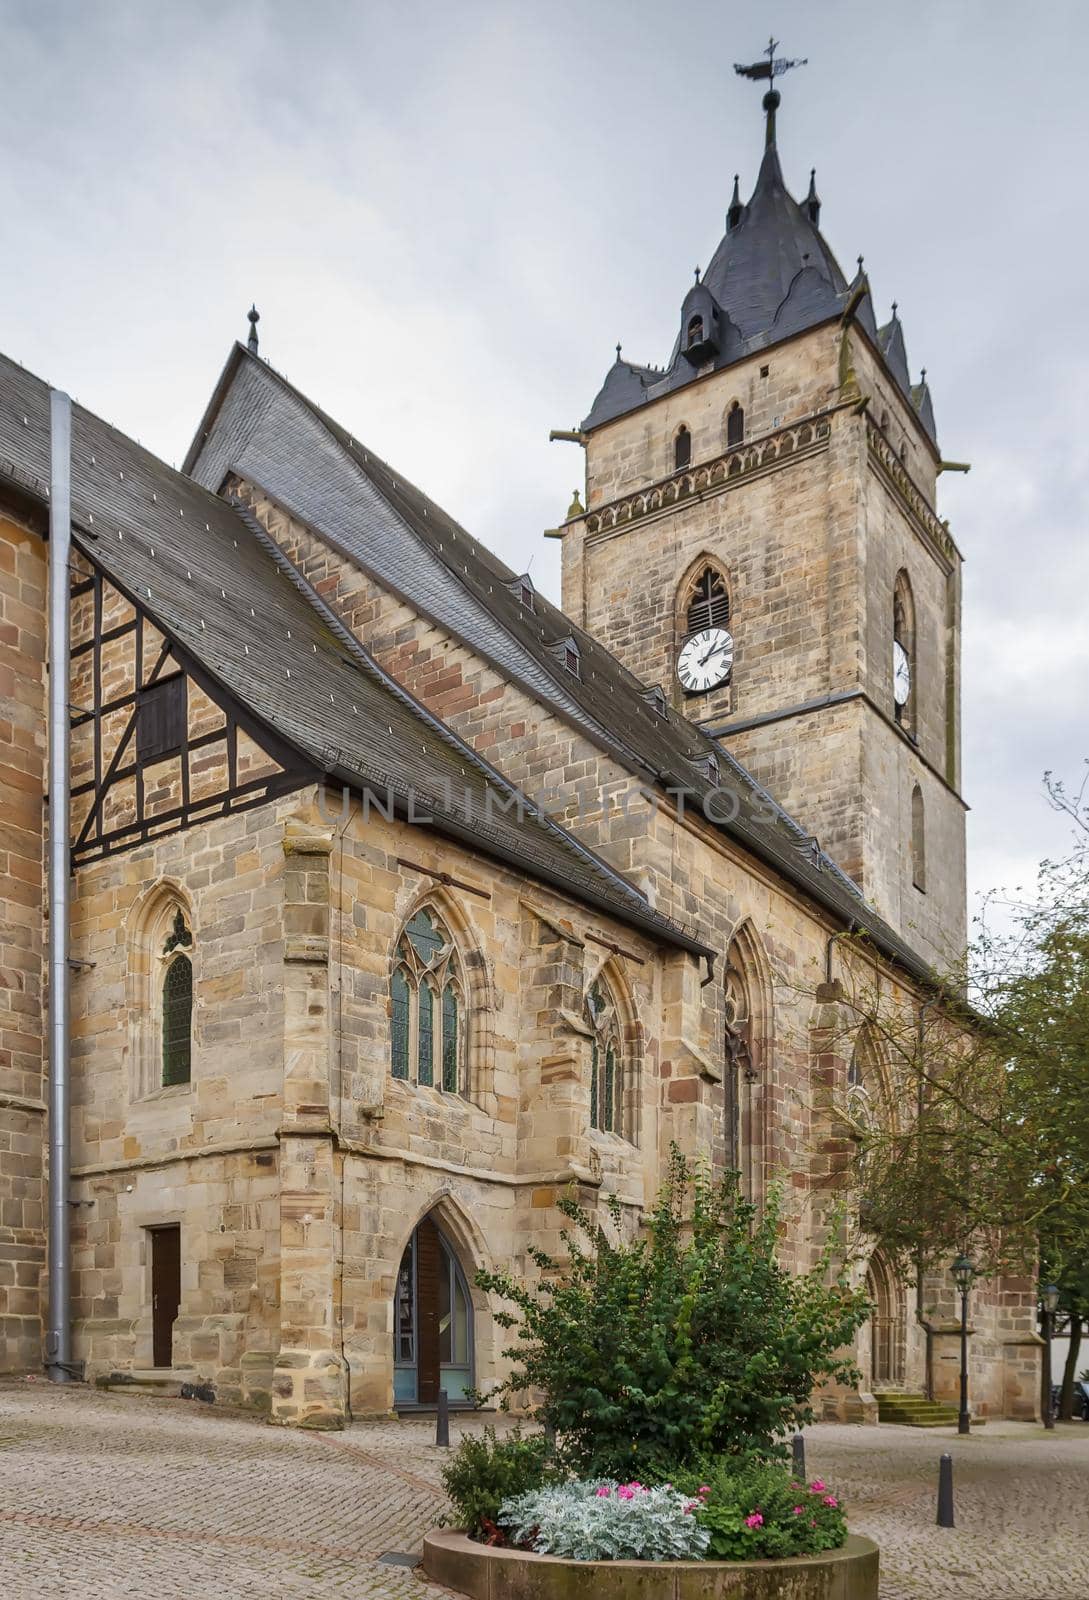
pixel 1021 1498
pixel 112 1496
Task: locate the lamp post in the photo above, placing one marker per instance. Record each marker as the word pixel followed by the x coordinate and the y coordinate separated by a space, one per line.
pixel 1049 1304
pixel 963 1273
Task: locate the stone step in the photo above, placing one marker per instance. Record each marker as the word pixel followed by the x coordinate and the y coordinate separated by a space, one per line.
pixel 914 1410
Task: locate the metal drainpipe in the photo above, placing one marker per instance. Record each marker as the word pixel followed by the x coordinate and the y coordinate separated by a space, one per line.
pixel 920 1107
pixel 58 1350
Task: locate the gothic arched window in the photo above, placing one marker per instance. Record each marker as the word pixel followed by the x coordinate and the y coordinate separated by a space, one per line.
pixel 903 652
pixel 606 1059
pixel 427 1000
pixel 918 839
pixel 747 1058
pixel 709 606
pixel 682 448
pixel 177 1003
pixel 735 425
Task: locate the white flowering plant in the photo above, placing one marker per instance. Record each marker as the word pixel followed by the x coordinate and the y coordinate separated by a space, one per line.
pixel 606 1521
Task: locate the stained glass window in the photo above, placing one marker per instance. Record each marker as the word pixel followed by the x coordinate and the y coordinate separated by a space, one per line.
pixel 400 996
pixel 426 1023
pixel 450 1039
pixel 606 1075
pixel 178 1021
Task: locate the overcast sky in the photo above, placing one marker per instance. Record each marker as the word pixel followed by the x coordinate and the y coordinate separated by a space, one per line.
pixel 449 214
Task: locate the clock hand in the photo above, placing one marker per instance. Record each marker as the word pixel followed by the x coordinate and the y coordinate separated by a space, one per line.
pixel 716 651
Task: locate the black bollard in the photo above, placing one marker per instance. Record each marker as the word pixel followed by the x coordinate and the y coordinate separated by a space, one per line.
pixel 945 1493
pixel 799 1457
pixel 442 1420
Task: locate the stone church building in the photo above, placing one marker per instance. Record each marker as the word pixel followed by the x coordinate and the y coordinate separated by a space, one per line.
pixel 401 900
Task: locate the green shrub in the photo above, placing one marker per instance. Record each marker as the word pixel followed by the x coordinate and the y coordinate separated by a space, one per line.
pixel 755 1510
pixel 484 1471
pixel 689 1342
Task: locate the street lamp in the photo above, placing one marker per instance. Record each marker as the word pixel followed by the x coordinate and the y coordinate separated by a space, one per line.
pixel 1049 1304
pixel 963 1273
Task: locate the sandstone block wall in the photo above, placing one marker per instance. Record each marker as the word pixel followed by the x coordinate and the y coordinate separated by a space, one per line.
pixel 23 584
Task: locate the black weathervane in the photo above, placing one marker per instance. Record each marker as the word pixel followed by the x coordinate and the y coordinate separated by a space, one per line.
pixel 773 67
pixel 769 70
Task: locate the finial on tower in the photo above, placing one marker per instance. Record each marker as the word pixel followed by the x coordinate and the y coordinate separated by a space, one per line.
pixel 737 210
pixel 253 317
pixel 697 274
pixel 813 199
pixel 618 349
pixel 772 68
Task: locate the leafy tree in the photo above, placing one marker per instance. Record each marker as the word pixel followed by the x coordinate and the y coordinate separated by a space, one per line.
pixel 979 1138
pixel 689 1341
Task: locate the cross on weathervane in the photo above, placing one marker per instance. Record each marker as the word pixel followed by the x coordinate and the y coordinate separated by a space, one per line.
pixel 769 70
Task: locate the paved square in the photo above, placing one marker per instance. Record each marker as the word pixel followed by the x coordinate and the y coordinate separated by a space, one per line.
pixel 112 1496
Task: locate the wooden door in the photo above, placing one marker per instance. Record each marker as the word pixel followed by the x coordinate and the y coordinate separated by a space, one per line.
pixel 430 1263
pixel 165 1292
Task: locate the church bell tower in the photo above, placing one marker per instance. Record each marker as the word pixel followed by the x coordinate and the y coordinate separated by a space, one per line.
pixel 760 539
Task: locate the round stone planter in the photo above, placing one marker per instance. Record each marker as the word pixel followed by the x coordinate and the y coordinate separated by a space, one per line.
pixel 849 1573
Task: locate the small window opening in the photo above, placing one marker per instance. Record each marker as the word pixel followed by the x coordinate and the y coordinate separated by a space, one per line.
pixel 161 716
pixel 695 331
pixel 918 839
pixel 735 424
pixel 682 448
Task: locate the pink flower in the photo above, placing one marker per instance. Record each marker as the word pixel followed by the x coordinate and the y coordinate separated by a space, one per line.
pixel 797 1511
pixel 818 1486
pixel 754 1520
pixel 705 1488
pixel 625 1492
pixel 830 1500
pixel 604 1492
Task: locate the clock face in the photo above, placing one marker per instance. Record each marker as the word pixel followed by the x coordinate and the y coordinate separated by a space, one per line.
pixel 705 660
pixel 901 674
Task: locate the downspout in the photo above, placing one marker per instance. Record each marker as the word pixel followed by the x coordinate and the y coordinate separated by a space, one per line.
pixel 920 1107
pixel 58 1348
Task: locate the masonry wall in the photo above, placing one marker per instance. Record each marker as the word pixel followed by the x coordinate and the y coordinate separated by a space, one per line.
pixel 23 583
pixel 204 1154
pixel 688 870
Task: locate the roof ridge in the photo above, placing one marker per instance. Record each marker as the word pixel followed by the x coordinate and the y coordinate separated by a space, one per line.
pixel 367 662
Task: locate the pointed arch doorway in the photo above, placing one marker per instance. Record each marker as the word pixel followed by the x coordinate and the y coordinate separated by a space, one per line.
pixel 432 1322
pixel 887 1329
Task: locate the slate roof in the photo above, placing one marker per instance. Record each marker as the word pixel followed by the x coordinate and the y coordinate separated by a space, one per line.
pixel 262 428
pixel 773 275
pixel 211 581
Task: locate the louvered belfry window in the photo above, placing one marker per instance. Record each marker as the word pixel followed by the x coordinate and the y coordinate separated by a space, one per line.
pixel 427 999
pixel 710 604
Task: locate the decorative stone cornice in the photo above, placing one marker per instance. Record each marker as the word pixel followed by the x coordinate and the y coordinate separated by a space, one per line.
pixel 922 513
pixel 741 463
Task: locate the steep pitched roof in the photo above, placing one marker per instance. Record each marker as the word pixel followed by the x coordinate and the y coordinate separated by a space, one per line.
pixel 773 275
pixel 214 584
pixel 262 428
